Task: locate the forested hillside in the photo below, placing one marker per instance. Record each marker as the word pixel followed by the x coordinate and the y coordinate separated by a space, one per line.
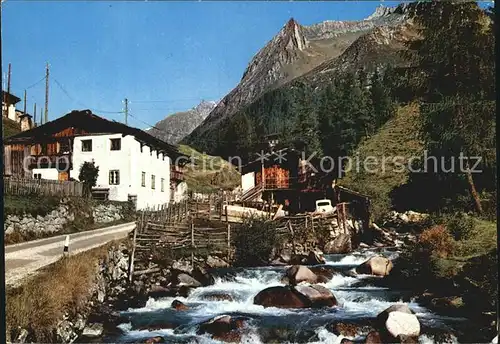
pixel 441 59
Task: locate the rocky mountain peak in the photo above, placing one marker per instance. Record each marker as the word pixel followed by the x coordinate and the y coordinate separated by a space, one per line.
pixel 381 11
pixel 204 108
pixel 176 126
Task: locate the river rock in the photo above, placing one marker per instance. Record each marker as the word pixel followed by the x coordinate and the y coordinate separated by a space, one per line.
pixel 317 295
pixel 347 341
pixel 373 338
pixel 298 259
pixel 285 256
pixel 402 324
pixel 187 281
pixel 217 297
pixel 182 266
pixel 215 262
pixel 152 340
pixel 281 297
pixel 324 274
pixel 314 258
pixel 403 339
pixel 224 328
pixel 397 320
pixel 179 306
pixel 341 244
pixel 157 291
pixel 377 265
pixel 300 273
pixel 201 275
pixel 93 330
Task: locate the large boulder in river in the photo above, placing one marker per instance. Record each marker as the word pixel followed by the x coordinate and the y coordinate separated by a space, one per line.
pixel 318 295
pixel 314 258
pixel 179 306
pixel 224 328
pixel 215 262
pixel 185 280
pixel 324 273
pixel 281 297
pixel 182 266
pixel 399 320
pixel 202 276
pixel 157 292
pixel 400 324
pixel 300 273
pixel 341 244
pixel 377 265
pixel 298 259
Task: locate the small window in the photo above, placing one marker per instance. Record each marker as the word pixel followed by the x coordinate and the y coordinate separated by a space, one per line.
pixel 116 144
pixel 152 181
pixel 114 177
pixel 143 179
pixel 86 145
pixel 162 184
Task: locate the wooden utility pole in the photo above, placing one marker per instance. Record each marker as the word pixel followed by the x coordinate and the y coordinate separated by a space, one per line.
pixel 126 111
pixel 5 96
pixel 34 115
pixel 46 119
pixel 24 109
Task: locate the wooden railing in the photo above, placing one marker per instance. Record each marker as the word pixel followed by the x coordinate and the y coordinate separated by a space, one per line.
pixel 44 187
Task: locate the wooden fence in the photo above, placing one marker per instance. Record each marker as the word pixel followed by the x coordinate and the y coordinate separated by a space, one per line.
pixel 178 229
pixel 44 187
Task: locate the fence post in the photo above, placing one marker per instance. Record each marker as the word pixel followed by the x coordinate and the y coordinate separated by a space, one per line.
pixel 227 212
pixel 209 207
pixel 192 243
pixel 228 242
pixel 66 246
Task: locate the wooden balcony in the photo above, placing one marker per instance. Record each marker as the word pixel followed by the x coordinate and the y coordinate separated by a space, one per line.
pixel 45 161
pixel 176 174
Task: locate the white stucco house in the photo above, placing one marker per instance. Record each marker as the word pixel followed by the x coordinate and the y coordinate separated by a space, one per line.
pixel 133 165
pixel 9 111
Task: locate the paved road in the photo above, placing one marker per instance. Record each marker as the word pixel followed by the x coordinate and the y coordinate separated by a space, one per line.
pixel 22 260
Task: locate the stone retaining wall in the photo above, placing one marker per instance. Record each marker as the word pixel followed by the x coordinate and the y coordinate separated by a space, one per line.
pixel 63 215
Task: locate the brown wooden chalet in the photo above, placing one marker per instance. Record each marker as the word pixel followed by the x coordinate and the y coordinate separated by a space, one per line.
pixel 55 139
pixel 282 176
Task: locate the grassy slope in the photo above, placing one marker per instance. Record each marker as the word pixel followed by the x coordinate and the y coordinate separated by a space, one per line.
pixel 10 127
pixel 62 287
pixel 396 138
pixel 208 173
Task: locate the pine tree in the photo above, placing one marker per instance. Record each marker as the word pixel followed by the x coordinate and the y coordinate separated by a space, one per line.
pixel 383 107
pixel 457 53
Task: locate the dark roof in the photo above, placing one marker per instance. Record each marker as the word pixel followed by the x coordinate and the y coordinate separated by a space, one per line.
pixel 22 114
pixel 91 124
pixel 11 99
pixel 278 156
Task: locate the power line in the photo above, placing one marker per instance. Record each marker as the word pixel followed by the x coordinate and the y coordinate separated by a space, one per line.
pixel 36 83
pixel 172 100
pixel 80 103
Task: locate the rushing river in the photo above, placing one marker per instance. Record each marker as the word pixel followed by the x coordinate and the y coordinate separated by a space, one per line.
pixel 359 298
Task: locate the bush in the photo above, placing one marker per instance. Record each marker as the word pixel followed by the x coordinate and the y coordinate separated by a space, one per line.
pixel 460 225
pixel 436 241
pixel 255 241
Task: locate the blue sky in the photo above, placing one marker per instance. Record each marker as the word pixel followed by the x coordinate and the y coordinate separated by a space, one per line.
pixel 174 52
